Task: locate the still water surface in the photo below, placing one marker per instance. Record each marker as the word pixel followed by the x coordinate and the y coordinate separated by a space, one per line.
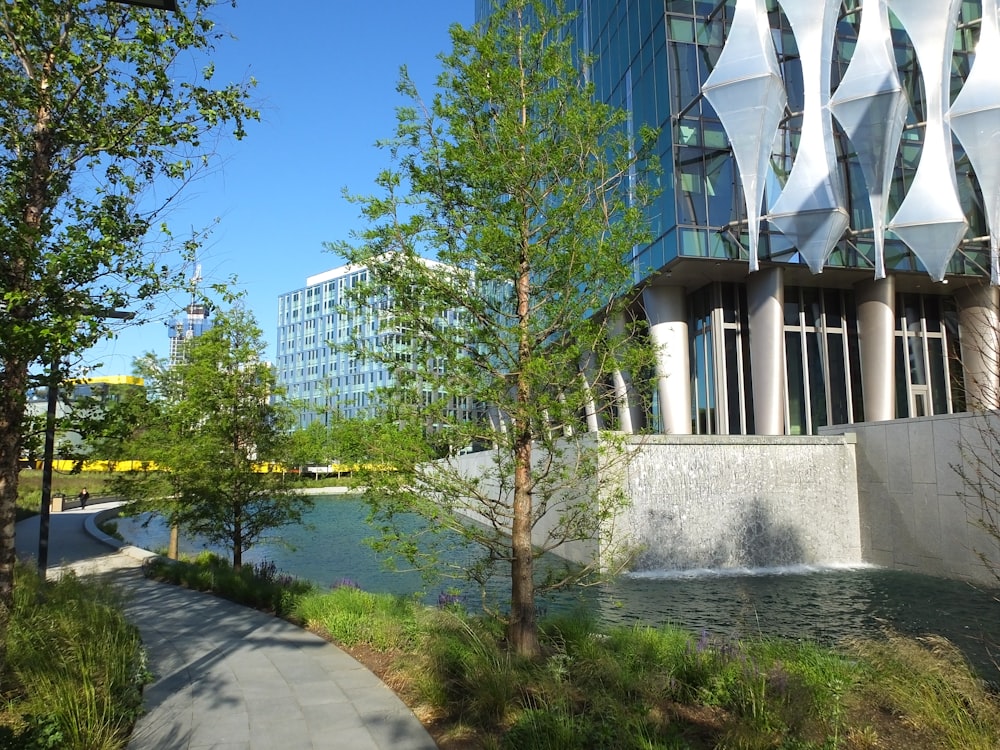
pixel 824 604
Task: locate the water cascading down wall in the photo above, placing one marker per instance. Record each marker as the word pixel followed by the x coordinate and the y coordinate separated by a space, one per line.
pixel 742 502
pixel 729 502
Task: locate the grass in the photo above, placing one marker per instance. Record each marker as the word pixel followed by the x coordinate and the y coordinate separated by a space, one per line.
pixel 343 481
pixel 29 490
pixel 639 688
pixel 74 667
pixel 260 586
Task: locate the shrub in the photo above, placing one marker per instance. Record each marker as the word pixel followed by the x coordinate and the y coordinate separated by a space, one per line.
pixel 260 585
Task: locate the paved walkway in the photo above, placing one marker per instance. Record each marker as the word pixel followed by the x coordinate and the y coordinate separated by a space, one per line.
pixel 226 676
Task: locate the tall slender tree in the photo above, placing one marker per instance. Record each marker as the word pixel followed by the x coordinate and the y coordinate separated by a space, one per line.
pixel 531 195
pixel 101 103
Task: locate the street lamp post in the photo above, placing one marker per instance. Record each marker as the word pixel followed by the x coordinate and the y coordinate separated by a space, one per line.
pixel 48 452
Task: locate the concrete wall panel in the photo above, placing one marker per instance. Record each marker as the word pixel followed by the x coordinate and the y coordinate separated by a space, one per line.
pixel 923 517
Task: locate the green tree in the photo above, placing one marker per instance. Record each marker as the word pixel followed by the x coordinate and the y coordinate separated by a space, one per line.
pixel 214 427
pixel 100 106
pixel 530 194
pixel 312 445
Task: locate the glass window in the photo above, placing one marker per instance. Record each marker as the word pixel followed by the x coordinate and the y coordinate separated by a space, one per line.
pixel 839 412
pixel 939 381
pixel 796 385
pixel 693 243
pixel 732 381
pixel 791 306
pixel 902 402
pixel 686 86
pixel 817 382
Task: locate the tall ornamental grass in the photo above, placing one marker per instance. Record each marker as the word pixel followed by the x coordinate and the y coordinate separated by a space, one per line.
pixel 644 688
pixel 354 617
pixel 75 667
pixel 258 585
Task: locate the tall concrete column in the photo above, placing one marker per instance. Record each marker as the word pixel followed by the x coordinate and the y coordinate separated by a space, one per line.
pixel 668 331
pixel 766 302
pixel 593 416
pixel 627 403
pixel 876 300
pixel 980 336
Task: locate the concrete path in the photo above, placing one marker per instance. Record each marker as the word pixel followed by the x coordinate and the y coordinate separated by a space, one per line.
pixel 226 676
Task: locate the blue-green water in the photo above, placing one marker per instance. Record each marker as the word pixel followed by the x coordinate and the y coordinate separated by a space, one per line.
pixel 824 605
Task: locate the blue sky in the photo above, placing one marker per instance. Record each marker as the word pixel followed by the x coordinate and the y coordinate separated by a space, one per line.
pixel 326 87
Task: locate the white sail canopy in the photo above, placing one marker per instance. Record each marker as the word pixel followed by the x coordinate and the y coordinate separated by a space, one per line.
pixel 747 93
pixel 871 107
pixel 811 208
pixel 975 120
pixel 930 220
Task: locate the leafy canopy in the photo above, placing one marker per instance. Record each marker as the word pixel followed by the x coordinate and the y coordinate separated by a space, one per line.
pixel 530 196
pixel 107 116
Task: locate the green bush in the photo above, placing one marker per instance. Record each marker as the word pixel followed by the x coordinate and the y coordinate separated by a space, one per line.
pixel 260 586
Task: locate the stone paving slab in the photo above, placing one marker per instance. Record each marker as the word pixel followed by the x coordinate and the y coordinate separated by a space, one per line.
pixel 229 677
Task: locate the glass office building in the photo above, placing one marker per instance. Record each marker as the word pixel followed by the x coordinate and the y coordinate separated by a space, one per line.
pixel 826 237
pixel 310 367
pixel 314 365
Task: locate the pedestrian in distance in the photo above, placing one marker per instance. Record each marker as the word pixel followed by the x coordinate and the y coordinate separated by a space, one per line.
pixel 83 497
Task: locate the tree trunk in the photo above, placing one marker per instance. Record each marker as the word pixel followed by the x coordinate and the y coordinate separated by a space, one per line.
pixel 13 385
pixel 173 548
pixel 237 541
pixel 522 630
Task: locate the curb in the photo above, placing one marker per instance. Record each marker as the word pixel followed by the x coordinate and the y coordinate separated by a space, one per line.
pixel 92 526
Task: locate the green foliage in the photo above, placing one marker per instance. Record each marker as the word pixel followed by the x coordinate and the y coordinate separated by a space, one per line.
pixel 105 121
pixel 543 730
pixel 260 586
pixel 213 427
pixel 97 113
pixel 531 195
pixel 929 683
pixel 106 426
pixel 654 688
pixel 351 616
pixel 312 444
pixel 75 667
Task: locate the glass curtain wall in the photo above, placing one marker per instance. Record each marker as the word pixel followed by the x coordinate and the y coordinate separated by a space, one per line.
pixel 923 368
pixel 722 399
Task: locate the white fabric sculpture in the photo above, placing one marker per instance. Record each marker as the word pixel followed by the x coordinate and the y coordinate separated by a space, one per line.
pixel 811 209
pixel 930 220
pixel 871 107
pixel 975 120
pixel 747 93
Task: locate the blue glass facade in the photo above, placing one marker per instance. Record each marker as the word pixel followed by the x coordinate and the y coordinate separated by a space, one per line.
pixel 312 321
pixel 653 58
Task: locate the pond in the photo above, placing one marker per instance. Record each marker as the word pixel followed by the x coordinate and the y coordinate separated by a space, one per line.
pixel 819 604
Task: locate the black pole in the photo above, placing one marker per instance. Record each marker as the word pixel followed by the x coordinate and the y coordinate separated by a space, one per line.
pixel 50 442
